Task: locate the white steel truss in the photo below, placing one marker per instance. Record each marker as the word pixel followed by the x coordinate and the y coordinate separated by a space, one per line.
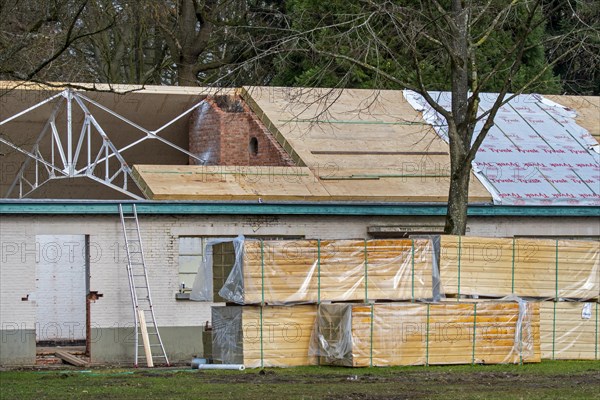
pixel 80 155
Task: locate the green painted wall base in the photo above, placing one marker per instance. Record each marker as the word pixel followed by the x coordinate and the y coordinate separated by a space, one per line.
pixel 17 347
pixel 108 345
pixel 116 345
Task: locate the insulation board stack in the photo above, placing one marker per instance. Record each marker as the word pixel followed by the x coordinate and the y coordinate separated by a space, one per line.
pixel 423 334
pixel 314 271
pixel 263 336
pixel 569 331
pixel 546 269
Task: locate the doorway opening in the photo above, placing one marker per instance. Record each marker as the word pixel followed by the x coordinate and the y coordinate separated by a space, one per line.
pixel 62 286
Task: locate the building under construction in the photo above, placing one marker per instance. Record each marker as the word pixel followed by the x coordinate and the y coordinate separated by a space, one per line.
pixel 108 195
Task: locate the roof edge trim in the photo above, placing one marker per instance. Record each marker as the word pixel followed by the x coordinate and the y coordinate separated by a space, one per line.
pixel 240 208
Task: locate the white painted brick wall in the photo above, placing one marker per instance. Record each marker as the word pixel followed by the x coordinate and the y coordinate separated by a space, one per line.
pixel 160 233
pixel 17 272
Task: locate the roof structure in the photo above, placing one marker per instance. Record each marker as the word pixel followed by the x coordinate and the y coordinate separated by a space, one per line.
pixel 188 182
pixel 586 109
pixel 349 145
pixel 535 153
pixel 356 145
pixel 170 207
pixel 41 128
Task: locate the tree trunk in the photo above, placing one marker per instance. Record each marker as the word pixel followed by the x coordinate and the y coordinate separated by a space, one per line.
pixel 186 75
pixel 458 125
pixel 458 200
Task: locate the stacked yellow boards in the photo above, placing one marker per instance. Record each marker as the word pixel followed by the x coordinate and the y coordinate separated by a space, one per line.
pixel 278 273
pixel 425 334
pixel 570 330
pixel 256 336
pixel 314 271
pixel 381 334
pixel 541 268
pixel 270 328
pixel 548 270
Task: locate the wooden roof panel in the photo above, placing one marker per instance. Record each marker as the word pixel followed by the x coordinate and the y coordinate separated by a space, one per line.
pixel 188 182
pixel 357 132
pixel 587 109
pixel 169 182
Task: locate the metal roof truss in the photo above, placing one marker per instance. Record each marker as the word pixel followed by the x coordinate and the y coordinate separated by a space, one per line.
pixel 77 148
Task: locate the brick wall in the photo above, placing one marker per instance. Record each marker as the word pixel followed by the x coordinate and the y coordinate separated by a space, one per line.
pixel 160 233
pixel 108 275
pixel 204 134
pixel 224 131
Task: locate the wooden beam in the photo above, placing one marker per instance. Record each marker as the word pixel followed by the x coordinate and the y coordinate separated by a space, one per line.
pixel 70 358
pixel 379 153
pixel 145 338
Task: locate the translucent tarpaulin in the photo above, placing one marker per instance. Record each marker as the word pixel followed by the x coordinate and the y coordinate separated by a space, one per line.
pixel 570 330
pixel 203 283
pixel 424 334
pixel 263 336
pixel 313 271
pixel 541 268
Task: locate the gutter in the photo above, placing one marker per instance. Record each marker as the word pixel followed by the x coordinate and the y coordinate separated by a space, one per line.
pixel 86 207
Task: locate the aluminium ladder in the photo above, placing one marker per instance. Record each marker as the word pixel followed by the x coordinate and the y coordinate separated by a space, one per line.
pixel 139 287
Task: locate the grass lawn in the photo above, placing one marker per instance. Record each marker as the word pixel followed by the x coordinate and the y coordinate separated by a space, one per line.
pixel 548 380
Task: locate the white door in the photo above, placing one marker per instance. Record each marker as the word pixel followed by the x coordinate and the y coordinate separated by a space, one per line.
pixel 61 287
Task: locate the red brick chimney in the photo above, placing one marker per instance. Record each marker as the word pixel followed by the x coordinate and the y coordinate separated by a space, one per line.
pixel 224 131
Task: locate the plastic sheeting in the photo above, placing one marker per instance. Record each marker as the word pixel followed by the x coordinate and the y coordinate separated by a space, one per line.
pixel 535 154
pixel 263 336
pixel 540 268
pixel 203 283
pixel 570 331
pixel 313 271
pixel 425 334
pixel 206 149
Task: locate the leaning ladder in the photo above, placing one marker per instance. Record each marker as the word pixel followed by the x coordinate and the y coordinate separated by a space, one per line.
pixel 139 287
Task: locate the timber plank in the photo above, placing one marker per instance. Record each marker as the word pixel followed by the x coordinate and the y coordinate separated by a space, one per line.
pixel 309 271
pixel 70 358
pixel 566 334
pixel 419 334
pixel 263 336
pixel 588 110
pixel 527 267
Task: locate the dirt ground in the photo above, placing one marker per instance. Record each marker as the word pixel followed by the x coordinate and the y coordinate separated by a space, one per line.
pixel 548 380
pixel 419 384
